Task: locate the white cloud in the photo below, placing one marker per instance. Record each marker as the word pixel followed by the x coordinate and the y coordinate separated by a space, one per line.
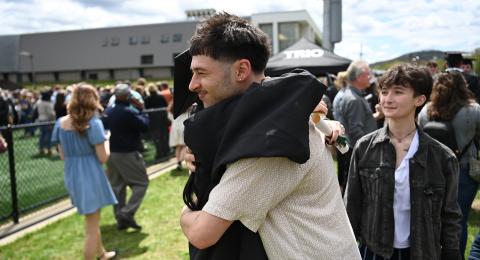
pixel 385 29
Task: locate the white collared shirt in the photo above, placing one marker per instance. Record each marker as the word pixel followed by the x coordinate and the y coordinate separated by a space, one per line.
pixel 401 199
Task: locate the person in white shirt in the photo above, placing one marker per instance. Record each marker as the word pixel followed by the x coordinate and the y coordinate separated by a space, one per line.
pixel 401 194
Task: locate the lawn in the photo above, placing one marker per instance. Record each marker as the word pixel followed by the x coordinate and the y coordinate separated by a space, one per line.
pixel 160 238
pixel 39 178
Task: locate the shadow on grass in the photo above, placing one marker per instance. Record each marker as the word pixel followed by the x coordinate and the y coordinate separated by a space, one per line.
pixel 127 242
pixel 474 217
pixel 179 173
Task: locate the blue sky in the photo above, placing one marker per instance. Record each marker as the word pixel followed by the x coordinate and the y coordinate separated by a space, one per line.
pixel 381 29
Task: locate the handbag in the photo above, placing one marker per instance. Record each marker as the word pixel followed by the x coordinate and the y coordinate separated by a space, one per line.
pixel 3 145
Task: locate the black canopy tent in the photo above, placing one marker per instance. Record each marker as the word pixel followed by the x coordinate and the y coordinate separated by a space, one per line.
pixel 309 56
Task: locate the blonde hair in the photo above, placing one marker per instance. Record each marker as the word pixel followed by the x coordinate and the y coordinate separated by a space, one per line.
pixel 82 106
pixel 341 80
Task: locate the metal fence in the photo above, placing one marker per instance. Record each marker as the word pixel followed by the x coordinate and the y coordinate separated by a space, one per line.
pixel 30 178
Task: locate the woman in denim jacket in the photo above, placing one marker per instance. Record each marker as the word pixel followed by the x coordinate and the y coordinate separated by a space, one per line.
pixel 452 101
pixel 401 194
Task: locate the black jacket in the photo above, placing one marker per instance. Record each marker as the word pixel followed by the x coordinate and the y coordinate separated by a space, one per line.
pixel 435 214
pixel 125 126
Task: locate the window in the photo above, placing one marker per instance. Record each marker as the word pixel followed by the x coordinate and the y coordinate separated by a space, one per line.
pixel 165 38
pixel 133 40
pixel 288 34
pixel 105 42
pixel 92 76
pixel 145 39
pixel 267 28
pixel 115 41
pixel 177 37
pixel 146 59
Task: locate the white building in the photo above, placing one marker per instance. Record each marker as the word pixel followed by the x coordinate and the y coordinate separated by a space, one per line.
pixel 126 52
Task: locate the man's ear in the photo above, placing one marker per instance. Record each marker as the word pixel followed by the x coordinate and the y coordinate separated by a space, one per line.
pixel 243 69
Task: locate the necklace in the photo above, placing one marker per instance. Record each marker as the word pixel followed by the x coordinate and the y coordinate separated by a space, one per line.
pixel 399 140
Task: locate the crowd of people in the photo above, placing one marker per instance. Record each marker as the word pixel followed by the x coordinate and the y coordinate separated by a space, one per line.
pixel 36 110
pixel 86 135
pixel 406 194
pixel 262 181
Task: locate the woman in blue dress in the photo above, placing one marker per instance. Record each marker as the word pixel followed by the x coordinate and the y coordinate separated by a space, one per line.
pixel 83 146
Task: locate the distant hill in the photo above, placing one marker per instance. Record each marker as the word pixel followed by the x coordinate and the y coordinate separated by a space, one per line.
pixel 423 57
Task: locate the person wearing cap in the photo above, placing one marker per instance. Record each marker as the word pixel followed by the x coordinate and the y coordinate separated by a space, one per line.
pixel 126 166
pixel 454 63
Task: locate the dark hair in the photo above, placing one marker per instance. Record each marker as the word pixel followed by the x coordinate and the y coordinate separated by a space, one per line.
pixel 228 37
pixel 60 99
pixel 449 94
pixel 46 94
pixel 407 75
pixel 467 62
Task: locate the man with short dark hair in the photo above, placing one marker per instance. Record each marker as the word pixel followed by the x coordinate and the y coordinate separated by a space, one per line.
pixel 467 66
pixel 267 202
pixel 125 165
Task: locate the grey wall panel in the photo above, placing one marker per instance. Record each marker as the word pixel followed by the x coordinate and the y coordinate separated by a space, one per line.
pixel 69 76
pixel 107 48
pixel 124 74
pixel 9 49
pixel 158 73
pixel 42 77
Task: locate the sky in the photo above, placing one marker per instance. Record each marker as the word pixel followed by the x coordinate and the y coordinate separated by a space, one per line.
pixel 374 30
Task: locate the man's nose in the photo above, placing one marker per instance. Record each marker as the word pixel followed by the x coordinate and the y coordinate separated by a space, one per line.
pixel 194 84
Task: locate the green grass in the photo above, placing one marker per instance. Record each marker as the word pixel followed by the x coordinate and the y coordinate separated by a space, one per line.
pixel 160 238
pixel 100 83
pixel 39 178
pixel 473 225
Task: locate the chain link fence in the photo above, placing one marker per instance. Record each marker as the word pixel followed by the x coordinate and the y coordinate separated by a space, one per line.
pixel 31 178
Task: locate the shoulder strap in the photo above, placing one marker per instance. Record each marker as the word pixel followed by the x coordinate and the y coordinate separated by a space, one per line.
pixel 465 148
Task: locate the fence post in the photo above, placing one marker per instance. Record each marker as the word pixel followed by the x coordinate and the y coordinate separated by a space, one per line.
pixel 13 177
